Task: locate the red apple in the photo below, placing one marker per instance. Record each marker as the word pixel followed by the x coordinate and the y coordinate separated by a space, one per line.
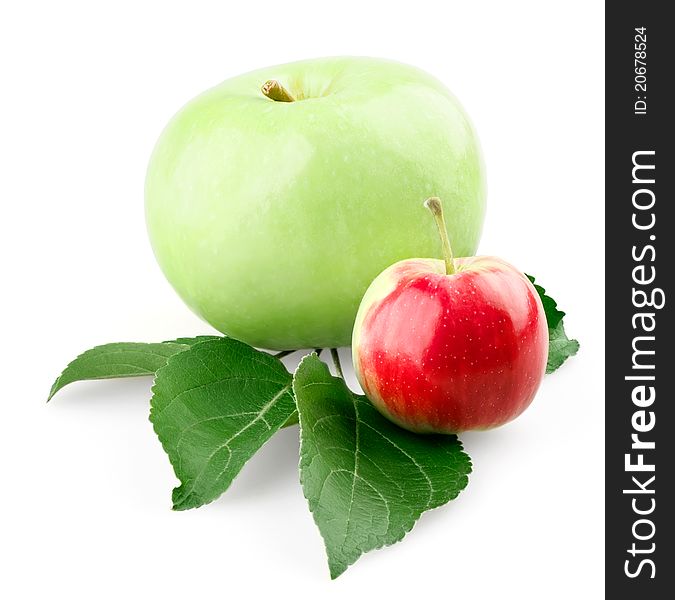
pixel 450 345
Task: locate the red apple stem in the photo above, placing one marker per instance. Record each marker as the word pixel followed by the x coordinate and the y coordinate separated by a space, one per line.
pixel 336 362
pixel 277 92
pixel 436 208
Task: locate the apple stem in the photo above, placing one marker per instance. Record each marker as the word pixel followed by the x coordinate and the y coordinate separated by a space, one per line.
pixel 283 353
pixel 336 362
pixel 436 208
pixel 277 92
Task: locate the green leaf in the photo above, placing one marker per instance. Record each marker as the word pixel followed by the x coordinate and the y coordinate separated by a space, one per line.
pixel 213 406
pixel 367 480
pixel 560 347
pixel 125 359
pixel 553 314
pixel 191 341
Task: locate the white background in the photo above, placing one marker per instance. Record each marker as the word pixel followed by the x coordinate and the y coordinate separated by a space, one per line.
pixel 85 484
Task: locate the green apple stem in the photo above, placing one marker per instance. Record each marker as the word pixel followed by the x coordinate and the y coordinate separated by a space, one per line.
pixel 277 92
pixel 436 208
pixel 336 362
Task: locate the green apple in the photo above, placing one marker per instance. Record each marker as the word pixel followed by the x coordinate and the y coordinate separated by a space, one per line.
pixel 275 198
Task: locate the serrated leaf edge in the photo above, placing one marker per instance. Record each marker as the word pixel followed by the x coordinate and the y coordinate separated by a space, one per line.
pixel 560 323
pixel 56 387
pixel 173 460
pixel 416 516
